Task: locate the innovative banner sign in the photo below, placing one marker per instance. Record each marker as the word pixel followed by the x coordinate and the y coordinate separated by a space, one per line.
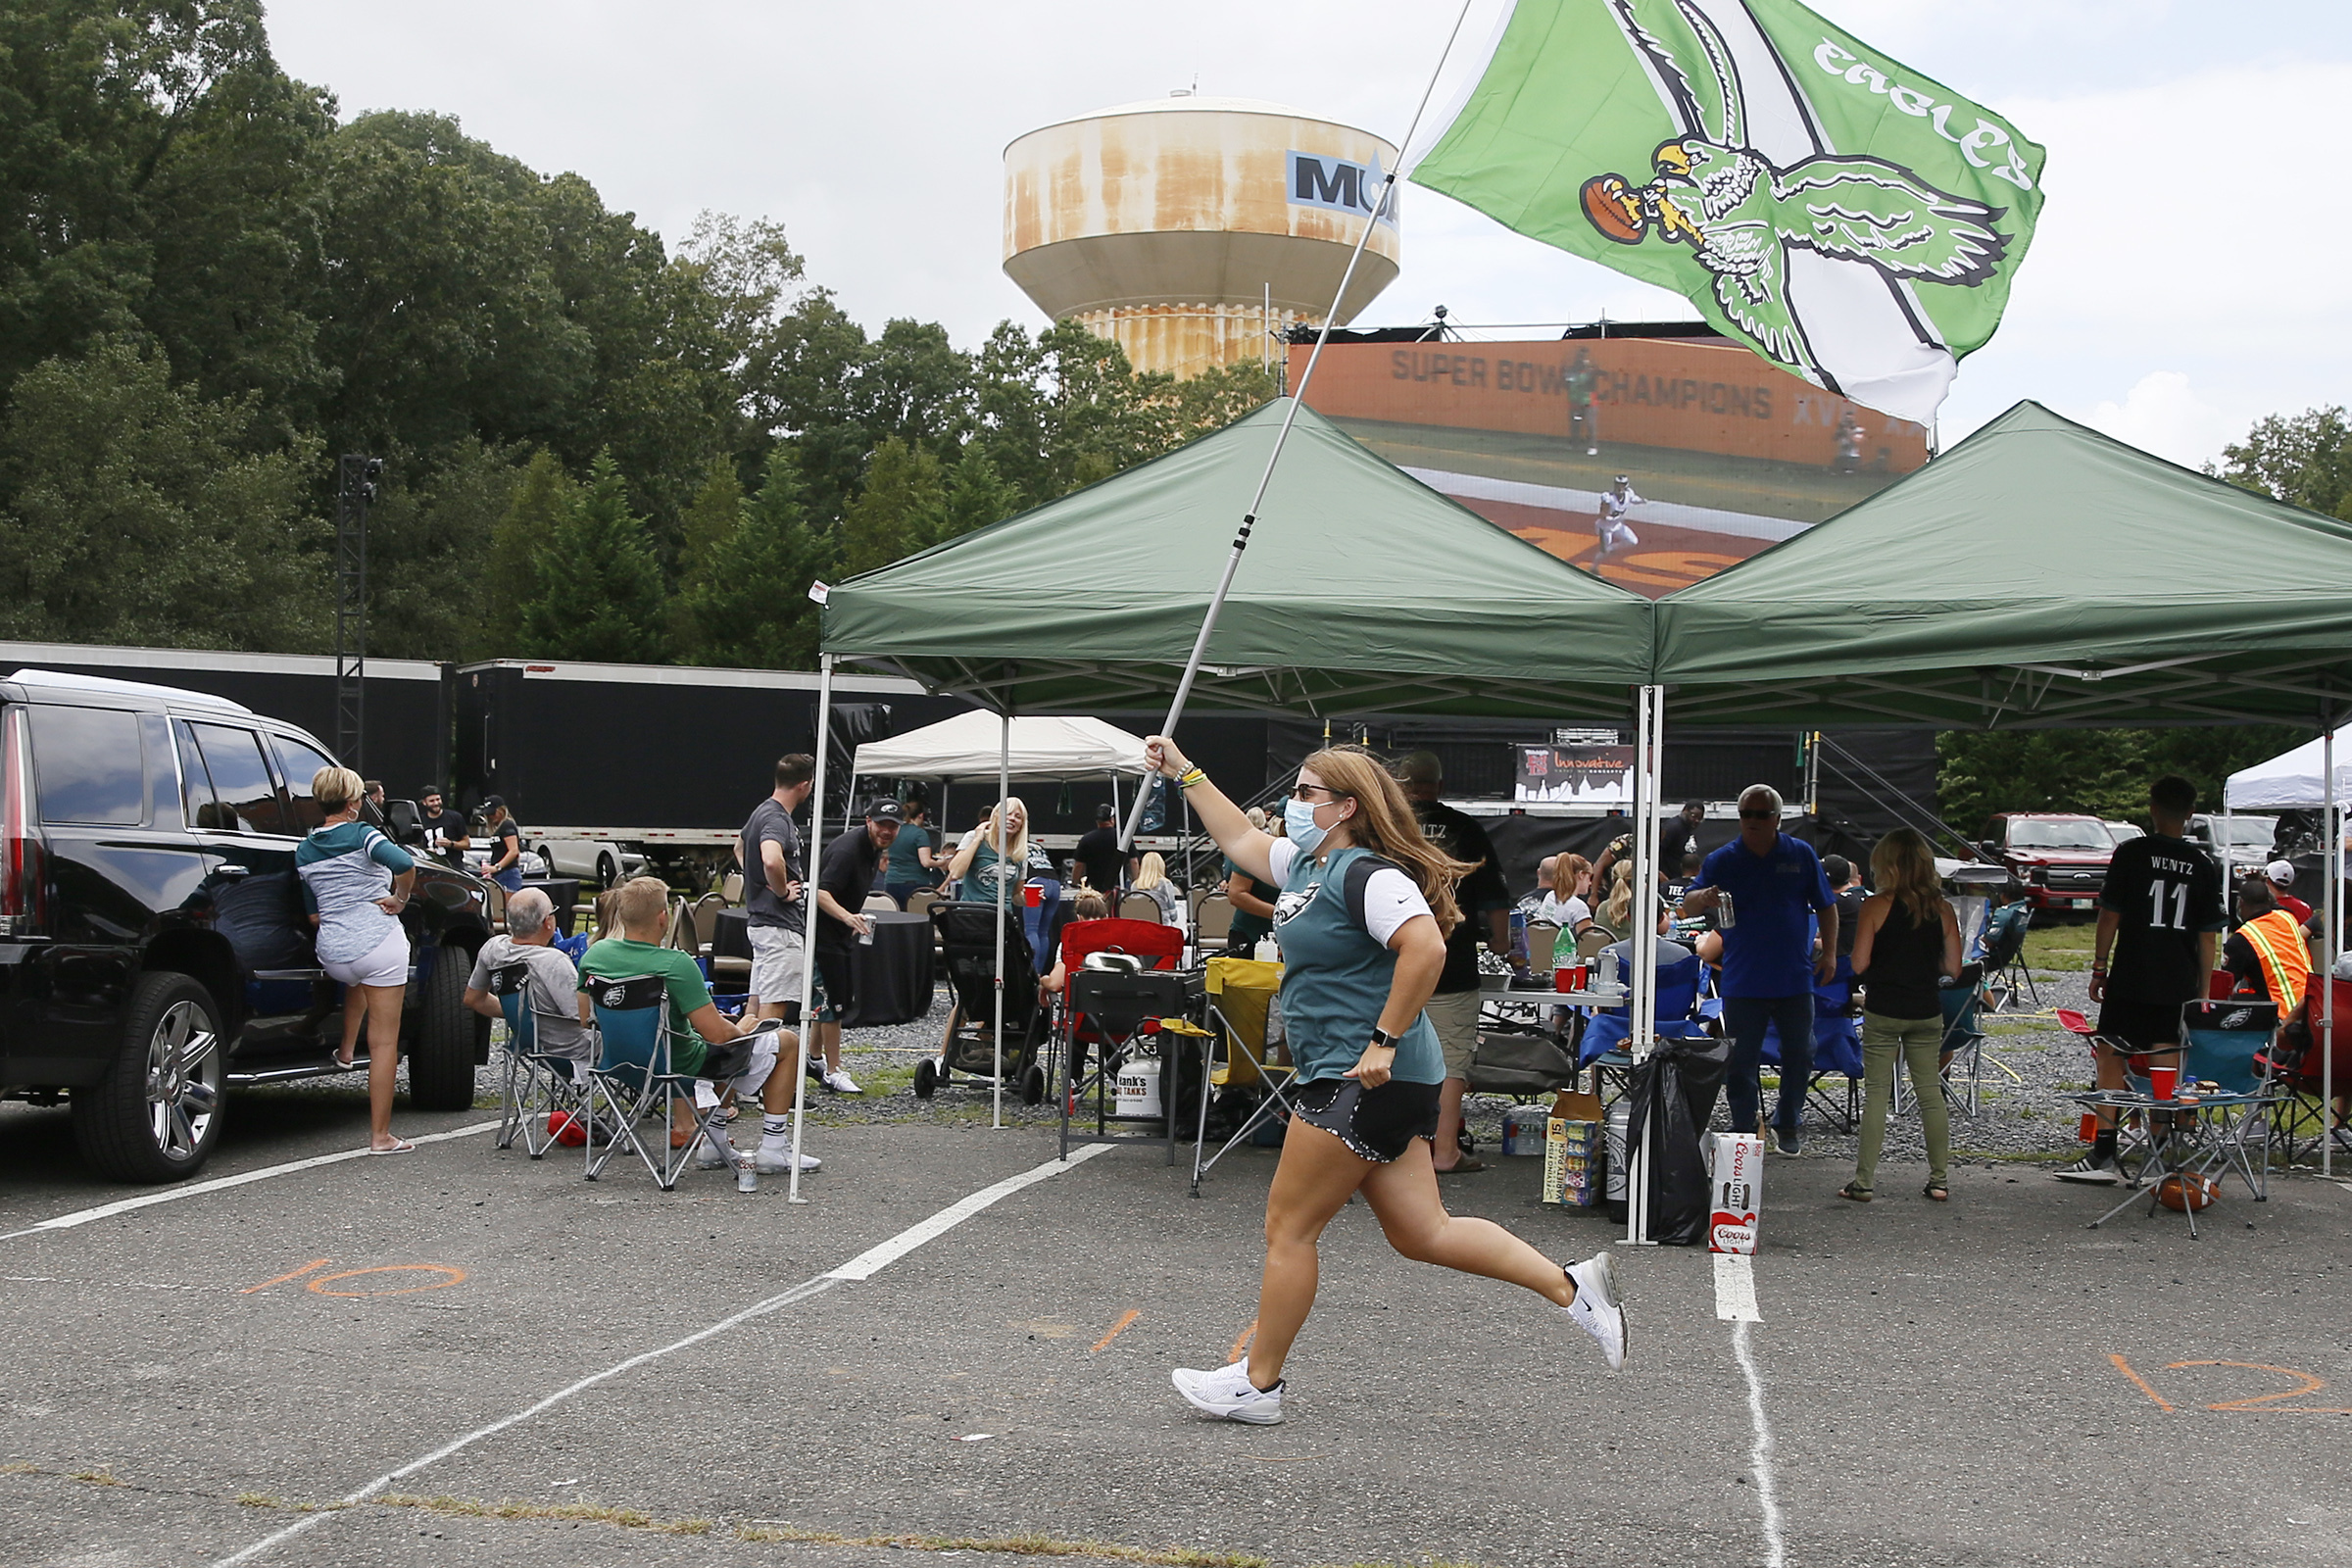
pixel 1722 455
pixel 1575 775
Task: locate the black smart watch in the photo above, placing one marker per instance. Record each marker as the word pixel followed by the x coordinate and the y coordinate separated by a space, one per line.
pixel 1382 1040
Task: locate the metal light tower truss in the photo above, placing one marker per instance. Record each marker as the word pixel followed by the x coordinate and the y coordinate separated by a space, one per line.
pixel 355 488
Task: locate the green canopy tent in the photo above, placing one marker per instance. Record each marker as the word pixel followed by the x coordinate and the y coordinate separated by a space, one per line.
pixel 1363 591
pixel 2038 574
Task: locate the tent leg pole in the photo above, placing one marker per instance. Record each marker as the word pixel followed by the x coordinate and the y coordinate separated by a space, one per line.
pixel 816 830
pixel 1004 788
pixel 1650 721
pixel 1298 400
pixel 2331 862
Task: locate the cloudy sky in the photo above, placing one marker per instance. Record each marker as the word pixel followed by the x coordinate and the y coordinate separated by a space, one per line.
pixel 2187 276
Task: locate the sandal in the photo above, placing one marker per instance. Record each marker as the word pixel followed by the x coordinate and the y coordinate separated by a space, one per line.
pixel 400 1145
pixel 1859 1195
pixel 1936 1193
pixel 1462 1166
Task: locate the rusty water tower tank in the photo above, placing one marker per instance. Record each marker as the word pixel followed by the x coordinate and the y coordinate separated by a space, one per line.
pixel 1188 227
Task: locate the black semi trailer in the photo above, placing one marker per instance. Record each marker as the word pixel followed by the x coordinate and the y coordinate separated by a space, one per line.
pixel 659 760
pixel 408 700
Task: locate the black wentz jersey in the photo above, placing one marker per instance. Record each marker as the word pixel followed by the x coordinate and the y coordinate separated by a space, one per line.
pixel 2166 893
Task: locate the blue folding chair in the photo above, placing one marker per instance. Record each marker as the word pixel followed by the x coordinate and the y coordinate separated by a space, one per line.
pixel 1836 1047
pixel 1681 978
pixel 2228 1043
pixel 633 1076
pixel 517 1083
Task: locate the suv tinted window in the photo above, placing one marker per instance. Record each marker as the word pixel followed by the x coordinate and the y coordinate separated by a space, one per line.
pixel 300 763
pixel 241 780
pixel 89 763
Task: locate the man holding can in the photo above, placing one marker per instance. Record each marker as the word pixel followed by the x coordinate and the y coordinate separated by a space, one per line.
pixel 1766 890
pixel 845 875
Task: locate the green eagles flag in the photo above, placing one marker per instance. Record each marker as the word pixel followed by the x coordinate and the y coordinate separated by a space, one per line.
pixel 1848 219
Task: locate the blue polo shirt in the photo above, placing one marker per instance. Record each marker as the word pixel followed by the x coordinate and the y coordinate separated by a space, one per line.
pixel 1769 950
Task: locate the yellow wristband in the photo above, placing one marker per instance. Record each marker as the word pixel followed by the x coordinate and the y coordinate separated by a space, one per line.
pixel 1191 776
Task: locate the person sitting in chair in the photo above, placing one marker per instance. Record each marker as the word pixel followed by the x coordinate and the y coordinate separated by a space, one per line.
pixel 695 1026
pixel 551 988
pixel 2266 952
pixel 1091 905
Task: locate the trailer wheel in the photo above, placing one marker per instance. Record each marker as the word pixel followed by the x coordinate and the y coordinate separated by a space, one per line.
pixel 607 870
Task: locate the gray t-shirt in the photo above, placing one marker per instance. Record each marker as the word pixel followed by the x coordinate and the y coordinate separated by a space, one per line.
pixel 552 990
pixel 761 903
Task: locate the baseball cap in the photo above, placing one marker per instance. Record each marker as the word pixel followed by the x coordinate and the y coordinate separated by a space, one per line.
pixel 2282 873
pixel 494 803
pixel 885 810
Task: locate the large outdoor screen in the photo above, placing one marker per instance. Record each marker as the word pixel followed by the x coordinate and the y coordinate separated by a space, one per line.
pixel 1726 454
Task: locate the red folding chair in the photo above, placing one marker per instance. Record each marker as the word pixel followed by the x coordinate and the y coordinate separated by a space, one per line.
pixel 1160 947
pixel 2297 1123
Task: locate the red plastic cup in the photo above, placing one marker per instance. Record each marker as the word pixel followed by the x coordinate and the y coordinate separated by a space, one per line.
pixel 1032 895
pixel 1563 979
pixel 2162 1081
pixel 2089 1130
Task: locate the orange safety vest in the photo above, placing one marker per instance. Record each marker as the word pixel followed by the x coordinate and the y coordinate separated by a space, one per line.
pixel 2285 962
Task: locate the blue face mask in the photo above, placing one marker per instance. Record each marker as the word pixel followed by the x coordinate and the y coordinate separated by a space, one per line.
pixel 1298 821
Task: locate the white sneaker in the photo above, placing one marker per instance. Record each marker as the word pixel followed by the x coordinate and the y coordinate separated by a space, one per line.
pixel 840 1083
pixel 1596 1308
pixel 1228 1393
pixel 775 1162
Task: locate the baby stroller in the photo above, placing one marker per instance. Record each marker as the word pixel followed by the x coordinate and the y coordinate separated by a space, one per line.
pixel 967 940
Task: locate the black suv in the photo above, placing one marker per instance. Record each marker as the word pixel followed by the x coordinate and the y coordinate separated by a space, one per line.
pixel 154 948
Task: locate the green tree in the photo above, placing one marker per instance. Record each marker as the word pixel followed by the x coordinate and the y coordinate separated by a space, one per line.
pixel 711 517
pixel 427 594
pixel 2105 772
pixel 2303 459
pixel 140 512
pixel 976 497
pixel 598 584
pixel 898 510
pixel 748 604
pixel 543 501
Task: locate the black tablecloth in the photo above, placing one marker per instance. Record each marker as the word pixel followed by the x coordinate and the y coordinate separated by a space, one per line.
pixel 894 972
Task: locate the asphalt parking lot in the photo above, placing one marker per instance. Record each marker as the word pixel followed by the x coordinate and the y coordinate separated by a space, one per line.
pixel 1988 1382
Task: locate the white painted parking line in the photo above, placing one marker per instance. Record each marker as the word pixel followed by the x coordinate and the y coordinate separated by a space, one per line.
pixel 173 1194
pixel 876 1258
pixel 1735 1289
pixel 864 1266
pixel 1759 1457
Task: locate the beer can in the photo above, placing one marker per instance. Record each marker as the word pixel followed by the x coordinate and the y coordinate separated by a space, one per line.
pixel 1725 916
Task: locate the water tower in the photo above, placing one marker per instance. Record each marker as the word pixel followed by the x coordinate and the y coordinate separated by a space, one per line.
pixel 1187 227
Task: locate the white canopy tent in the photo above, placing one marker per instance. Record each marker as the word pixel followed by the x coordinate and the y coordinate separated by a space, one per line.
pixel 970 746
pixel 2293 780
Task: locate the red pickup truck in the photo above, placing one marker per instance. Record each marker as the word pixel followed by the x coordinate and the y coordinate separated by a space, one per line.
pixel 2060 858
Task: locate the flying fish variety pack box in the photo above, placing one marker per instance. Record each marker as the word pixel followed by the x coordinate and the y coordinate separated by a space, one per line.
pixel 1735 1168
pixel 1573 1153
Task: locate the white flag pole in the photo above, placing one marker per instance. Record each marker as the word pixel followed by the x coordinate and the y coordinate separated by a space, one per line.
pixel 1241 538
pixel 811 855
pixel 1004 870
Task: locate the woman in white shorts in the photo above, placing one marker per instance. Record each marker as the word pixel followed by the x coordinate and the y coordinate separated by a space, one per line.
pixel 355 882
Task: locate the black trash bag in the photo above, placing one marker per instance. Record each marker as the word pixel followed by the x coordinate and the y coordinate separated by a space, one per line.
pixel 1674 1094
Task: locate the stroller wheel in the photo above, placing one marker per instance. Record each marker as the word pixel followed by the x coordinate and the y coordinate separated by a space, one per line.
pixel 926 1078
pixel 1033 1086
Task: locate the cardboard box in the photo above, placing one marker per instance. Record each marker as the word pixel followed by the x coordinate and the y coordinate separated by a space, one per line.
pixel 1572 1146
pixel 1735 1162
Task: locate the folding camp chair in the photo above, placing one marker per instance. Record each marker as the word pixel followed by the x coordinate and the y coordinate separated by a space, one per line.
pixel 1837 1048
pixel 633 1078
pixel 2226 1044
pixel 2006 975
pixel 542 1091
pixel 2300 1114
pixel 1246 1073
pixel 1681 976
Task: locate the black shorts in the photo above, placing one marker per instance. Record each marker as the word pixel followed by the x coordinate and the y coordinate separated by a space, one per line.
pixel 837 967
pixel 2143 1026
pixel 1376 1124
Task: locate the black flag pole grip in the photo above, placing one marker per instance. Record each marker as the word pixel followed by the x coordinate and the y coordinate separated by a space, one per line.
pixel 1290 417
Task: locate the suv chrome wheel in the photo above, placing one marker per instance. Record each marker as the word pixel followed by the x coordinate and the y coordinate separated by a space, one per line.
pixel 183 1080
pixel 158 1112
